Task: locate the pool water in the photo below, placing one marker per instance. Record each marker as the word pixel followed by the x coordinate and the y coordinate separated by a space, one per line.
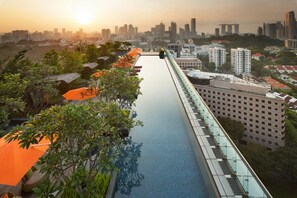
pixel 164 163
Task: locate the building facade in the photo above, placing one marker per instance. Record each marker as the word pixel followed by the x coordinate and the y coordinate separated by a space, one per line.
pixel 291 43
pixel 241 61
pixel 217 55
pixel 262 114
pixel 189 63
pixel 290 25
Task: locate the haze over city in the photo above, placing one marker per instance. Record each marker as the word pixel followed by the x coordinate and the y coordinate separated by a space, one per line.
pixel 93 15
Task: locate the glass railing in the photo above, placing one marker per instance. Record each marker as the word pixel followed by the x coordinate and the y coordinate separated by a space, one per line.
pixel 240 167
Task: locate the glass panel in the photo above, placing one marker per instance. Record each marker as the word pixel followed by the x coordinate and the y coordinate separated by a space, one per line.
pixel 247 178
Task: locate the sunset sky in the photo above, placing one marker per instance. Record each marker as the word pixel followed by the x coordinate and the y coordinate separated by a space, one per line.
pixel 92 15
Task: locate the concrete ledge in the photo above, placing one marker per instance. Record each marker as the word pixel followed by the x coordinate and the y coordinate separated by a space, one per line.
pixel 112 186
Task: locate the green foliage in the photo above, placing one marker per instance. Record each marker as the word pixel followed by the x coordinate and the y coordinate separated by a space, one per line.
pixel 234 128
pixel 39 89
pixel 258 69
pixel 84 141
pixel 71 61
pixel 51 58
pixel 246 41
pixel 259 158
pixel 286 58
pixel 17 63
pixel 117 86
pixel 211 67
pixel 92 53
pixel 12 88
pixel 226 67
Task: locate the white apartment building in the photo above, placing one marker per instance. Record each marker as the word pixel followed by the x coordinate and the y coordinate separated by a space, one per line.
pixel 261 113
pixel 241 61
pixel 189 63
pixel 217 55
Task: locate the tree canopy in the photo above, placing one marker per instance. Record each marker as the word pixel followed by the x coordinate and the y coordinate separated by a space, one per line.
pixel 84 143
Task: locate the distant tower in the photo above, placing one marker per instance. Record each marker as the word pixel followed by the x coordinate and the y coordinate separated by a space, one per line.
pixel 290 25
pixel 217 55
pixel 193 27
pixel 173 32
pixel 260 31
pixel 223 29
pixel 187 31
pixel 241 61
pixel 105 34
pixel 130 30
pixel 217 31
pixel 116 29
pixel 230 32
pixel 236 28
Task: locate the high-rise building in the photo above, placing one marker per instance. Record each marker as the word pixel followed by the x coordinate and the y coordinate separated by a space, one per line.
pixel 105 34
pixel 130 30
pixel 217 55
pixel 290 25
pixel 182 33
pixel 261 113
pixel 116 29
pixel 260 31
pixel 187 31
pixel 193 28
pixel 18 35
pixel 241 61
pixel 230 32
pixel 173 32
pixel 236 28
pixel 217 31
pixel 223 29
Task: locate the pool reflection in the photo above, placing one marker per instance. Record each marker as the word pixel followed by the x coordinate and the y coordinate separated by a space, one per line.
pixel 128 176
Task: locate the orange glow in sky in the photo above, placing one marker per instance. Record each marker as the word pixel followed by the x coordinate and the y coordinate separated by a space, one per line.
pixel 93 15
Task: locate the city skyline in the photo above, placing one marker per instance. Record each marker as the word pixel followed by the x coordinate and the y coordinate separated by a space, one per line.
pixel 92 15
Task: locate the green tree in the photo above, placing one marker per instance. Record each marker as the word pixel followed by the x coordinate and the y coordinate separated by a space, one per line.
pixel 71 61
pixel 51 58
pixel 85 141
pixel 12 89
pixel 39 90
pixel 286 58
pixel 211 67
pixel 226 67
pixel 234 128
pixel 92 53
pixel 17 63
pixel 117 86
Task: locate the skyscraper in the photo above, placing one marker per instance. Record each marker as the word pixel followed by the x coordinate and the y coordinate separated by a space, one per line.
pixel 173 32
pixel 241 61
pixel 187 31
pixel 260 31
pixel 116 29
pixel 290 25
pixel 217 31
pixel 236 28
pixel 193 27
pixel 217 55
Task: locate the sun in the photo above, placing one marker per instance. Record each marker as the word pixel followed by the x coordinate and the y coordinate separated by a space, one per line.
pixel 83 16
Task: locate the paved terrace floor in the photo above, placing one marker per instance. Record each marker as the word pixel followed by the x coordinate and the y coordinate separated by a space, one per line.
pixel 167 159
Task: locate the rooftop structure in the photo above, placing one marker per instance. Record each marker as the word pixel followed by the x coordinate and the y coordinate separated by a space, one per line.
pixel 90 65
pixel 67 78
pixel 187 63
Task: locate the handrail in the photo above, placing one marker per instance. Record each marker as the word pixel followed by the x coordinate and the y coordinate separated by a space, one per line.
pixel 243 171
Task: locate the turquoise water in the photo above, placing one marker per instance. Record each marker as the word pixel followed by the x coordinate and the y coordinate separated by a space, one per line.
pixel 162 162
